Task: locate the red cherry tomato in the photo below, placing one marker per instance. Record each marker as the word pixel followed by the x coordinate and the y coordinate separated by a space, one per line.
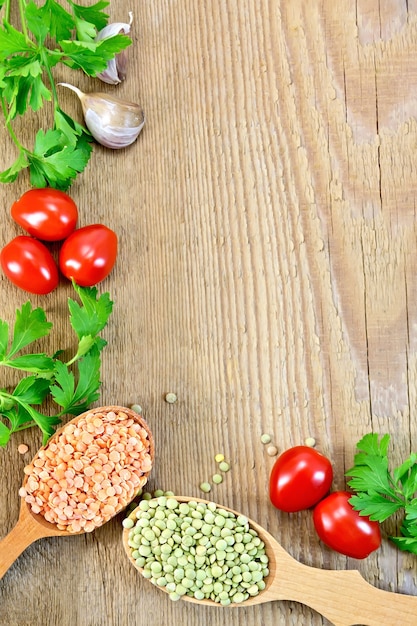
pixel 48 214
pixel 29 265
pixel 342 529
pixel 300 477
pixel 89 254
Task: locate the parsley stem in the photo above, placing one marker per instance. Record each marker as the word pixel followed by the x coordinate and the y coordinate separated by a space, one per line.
pixel 13 401
pixel 22 7
pixel 10 128
pixel 7 12
pixel 45 61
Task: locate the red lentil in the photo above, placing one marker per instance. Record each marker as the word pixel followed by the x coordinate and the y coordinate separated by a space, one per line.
pixel 90 470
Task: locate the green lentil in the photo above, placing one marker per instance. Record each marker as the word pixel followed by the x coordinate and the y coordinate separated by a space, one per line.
pixel 220 558
pixel 174 596
pixel 217 479
pixel 265 438
pixel 128 523
pixel 205 487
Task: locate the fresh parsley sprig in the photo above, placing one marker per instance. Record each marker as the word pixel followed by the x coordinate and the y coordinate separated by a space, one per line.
pixel 48 376
pixel 381 492
pixel 50 35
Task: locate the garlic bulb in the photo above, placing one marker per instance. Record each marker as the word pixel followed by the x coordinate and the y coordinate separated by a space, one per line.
pixel 113 122
pixel 116 68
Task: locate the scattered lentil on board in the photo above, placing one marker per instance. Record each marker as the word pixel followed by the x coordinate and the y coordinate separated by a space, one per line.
pixel 272 450
pixel 196 549
pixel 266 438
pixel 89 470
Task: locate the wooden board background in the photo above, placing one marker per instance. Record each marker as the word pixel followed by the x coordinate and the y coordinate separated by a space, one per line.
pixel 266 275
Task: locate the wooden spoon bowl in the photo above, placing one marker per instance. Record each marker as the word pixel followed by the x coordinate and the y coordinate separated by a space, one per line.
pixel 343 597
pixel 31 526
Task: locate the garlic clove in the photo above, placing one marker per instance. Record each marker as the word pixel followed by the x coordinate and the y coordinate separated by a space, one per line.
pixel 114 123
pixel 115 28
pixel 116 69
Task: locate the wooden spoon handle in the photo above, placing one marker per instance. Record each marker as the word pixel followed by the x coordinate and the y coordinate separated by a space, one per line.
pixel 13 545
pixel 25 532
pixel 345 598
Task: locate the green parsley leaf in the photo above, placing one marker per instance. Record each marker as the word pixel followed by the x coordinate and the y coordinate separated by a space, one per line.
pixel 90 318
pixel 38 21
pixel 92 57
pixel 63 389
pixel 370 473
pixel 372 504
pixel 30 324
pixel 12 42
pixel 370 444
pixel 60 22
pixel 74 132
pixel 86 31
pixel 46 423
pixel 407 479
pixel 380 492
pixel 27 65
pixel 55 161
pixel 4 434
pixel 76 399
pixel 49 377
pixel 89 381
pixel 84 345
pixel 407 544
pixel 18 418
pixel 411 510
pixel 93 14
pixel 36 363
pixel 23 86
pixel 4 338
pixel 10 174
pixel 39 94
pixel 31 390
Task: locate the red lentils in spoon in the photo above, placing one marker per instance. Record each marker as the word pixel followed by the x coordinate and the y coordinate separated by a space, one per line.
pixel 91 469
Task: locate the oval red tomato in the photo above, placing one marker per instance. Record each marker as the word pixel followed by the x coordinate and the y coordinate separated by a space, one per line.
pixel 300 477
pixel 89 254
pixel 342 529
pixel 29 265
pixel 48 214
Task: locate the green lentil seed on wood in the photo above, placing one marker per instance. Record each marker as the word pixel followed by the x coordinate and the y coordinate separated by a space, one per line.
pixel 220 559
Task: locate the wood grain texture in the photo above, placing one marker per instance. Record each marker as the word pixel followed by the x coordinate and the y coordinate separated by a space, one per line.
pixel 266 275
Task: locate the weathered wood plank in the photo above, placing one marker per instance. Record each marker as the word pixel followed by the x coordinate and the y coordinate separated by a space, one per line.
pixel 266 275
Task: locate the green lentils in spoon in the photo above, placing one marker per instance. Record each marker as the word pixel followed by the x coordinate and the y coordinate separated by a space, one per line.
pixel 197 549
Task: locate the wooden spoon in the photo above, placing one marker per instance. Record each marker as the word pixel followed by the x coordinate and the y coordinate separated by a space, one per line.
pixel 343 597
pixel 30 526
